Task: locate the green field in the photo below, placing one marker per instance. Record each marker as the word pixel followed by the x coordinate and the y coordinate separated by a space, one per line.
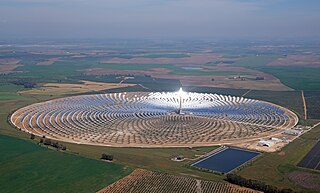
pixel 9 91
pixel 164 55
pixel 313 104
pixel 133 66
pixel 184 72
pixel 298 78
pixel 156 159
pixel 27 167
pixel 255 61
pixel 58 70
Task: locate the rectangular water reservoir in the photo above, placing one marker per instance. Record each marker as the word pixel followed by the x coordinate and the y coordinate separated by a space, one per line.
pixel 226 159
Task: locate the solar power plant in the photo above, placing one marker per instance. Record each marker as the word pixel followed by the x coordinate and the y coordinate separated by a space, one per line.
pixel 153 119
pixel 312 159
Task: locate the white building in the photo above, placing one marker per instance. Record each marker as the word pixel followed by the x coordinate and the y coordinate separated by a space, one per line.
pixel 267 143
pixel 293 132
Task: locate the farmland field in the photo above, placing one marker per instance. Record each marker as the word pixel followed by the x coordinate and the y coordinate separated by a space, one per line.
pixel 312 159
pixel 313 104
pixel 144 181
pixel 299 78
pixel 255 61
pixel 68 89
pixel 9 91
pixel 27 167
pixel 155 159
pixel 164 55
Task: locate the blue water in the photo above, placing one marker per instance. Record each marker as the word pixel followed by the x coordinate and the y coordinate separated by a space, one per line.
pixel 192 68
pixel 227 160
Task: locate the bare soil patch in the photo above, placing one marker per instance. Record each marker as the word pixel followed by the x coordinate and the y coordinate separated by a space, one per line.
pixel 48 62
pixel 305 179
pixel 60 88
pixel 106 71
pixel 310 60
pixel 8 68
pixel 9 61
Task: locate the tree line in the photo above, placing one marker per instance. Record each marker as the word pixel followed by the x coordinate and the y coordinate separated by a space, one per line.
pixel 255 184
pixel 48 142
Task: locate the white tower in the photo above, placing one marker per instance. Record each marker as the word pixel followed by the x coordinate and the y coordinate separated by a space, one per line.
pixel 180 94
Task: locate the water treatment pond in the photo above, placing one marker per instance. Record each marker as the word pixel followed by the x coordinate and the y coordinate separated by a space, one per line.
pixel 226 159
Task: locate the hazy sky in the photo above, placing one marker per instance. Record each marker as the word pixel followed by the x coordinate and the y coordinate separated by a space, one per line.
pixel 159 18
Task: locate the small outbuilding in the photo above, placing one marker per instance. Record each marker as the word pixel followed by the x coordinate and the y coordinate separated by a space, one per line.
pixel 266 143
pixel 180 157
pixel 293 132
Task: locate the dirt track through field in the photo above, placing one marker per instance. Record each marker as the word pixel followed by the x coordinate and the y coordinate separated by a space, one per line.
pixel 198 189
pixel 246 93
pixel 304 105
pixel 145 87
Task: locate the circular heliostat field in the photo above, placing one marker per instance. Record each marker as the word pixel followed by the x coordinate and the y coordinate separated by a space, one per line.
pixel 153 119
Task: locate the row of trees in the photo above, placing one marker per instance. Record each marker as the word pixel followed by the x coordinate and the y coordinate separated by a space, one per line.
pixel 48 142
pixel 25 83
pixel 255 184
pixel 107 157
pixel 54 144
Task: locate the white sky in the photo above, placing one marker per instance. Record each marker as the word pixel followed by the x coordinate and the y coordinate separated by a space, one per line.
pixel 159 18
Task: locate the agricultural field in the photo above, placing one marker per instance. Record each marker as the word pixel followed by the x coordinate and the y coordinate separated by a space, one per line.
pixel 298 78
pixel 194 68
pixel 144 181
pixel 27 167
pixel 68 89
pixel 306 60
pixel 313 104
pixel 154 159
pixel 256 61
pixel 9 91
pixel 312 159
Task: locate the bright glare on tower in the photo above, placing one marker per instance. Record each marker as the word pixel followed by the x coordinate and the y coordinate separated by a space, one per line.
pixel 180 93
